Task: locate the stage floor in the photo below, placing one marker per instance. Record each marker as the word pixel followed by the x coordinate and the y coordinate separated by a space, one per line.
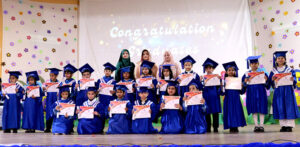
pixel 245 136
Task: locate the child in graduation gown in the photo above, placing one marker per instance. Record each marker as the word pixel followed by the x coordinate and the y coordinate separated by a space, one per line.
pixel 51 98
pixel 144 125
pixel 165 74
pixel 62 124
pixel 233 114
pixel 33 113
pixel 86 72
pixel 125 77
pixel 284 102
pixel 187 64
pixel 172 120
pixel 69 70
pixel 107 79
pixel 11 117
pixel 146 72
pixel 211 94
pixel 120 123
pixel 195 122
pixel 94 125
pixel 256 95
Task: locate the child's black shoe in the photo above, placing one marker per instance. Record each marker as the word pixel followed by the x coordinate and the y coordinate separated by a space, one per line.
pixel 15 130
pixel 7 131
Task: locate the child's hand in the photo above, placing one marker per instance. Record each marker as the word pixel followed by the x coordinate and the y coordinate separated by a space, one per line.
pixel 152 86
pixel 162 105
pixel 77 111
pixel 96 113
pixel 4 95
pixel 246 80
pixel 266 78
pixel 136 85
pixel 126 109
pixel 202 101
pixel 108 108
pixel 112 92
pixel 66 115
pixel 292 78
pixel 157 86
pixel 179 80
pixel 201 78
pixel 57 108
pixel 44 89
pixel 274 78
pixel 33 97
pixel 17 89
pixel 219 77
pixel 23 92
pixel 178 106
pixel 150 111
pixel 76 86
pixel 184 98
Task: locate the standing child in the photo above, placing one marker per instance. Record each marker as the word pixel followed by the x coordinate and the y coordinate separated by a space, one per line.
pixel 284 102
pixel 256 94
pixel 195 122
pixel 69 70
pixel 62 124
pixel 172 121
pixel 33 114
pixel 120 123
pixel 51 98
pixel 211 95
pixel 144 125
pixel 165 74
pixel 107 79
pixel 86 72
pixel 125 77
pixel 11 117
pixel 233 114
pixel 92 125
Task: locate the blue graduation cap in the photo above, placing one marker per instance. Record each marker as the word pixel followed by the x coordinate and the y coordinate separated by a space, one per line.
pixel 165 66
pixel 147 64
pixel 93 88
pixel 252 59
pixel 193 82
pixel 172 83
pixel 278 54
pixel 209 62
pixel 54 70
pixel 33 74
pixel 231 64
pixel 188 58
pixel 86 68
pixel 121 87
pixel 15 73
pixel 70 68
pixel 143 89
pixel 109 66
pixel 64 88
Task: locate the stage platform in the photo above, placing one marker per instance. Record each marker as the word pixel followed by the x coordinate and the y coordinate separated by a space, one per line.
pixel 245 136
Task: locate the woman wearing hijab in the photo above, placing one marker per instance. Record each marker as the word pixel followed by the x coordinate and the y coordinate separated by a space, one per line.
pixel 124 61
pixel 145 57
pixel 168 59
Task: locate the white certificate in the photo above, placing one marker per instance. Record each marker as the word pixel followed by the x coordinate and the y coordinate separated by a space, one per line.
pixel 106 88
pixel 117 107
pixel 283 79
pixel 86 112
pixel 171 101
pixel 66 108
pixel 193 98
pixel 85 83
pixel 129 86
pixel 212 80
pixel 257 78
pixel 9 88
pixel 141 111
pixel 163 85
pixel 52 87
pixel 33 91
pixel 144 82
pixel 233 83
pixel 186 79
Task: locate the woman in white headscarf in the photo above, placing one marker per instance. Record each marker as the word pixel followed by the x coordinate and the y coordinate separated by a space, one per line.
pixel 168 59
pixel 145 57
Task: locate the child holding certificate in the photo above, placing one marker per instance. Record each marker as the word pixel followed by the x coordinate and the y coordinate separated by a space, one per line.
pixel 63 122
pixel 69 70
pixel 120 113
pixel 142 123
pixel 233 114
pixel 107 93
pixel 254 81
pixel 188 75
pixel 12 94
pixel 172 121
pixel 165 74
pixel 86 81
pixel 50 88
pixel 147 80
pixel 284 102
pixel 91 115
pixel 33 113
pixel 211 93
pixel 195 122
pixel 129 83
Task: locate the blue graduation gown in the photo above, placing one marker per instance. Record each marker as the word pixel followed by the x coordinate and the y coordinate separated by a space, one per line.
pixel 61 124
pixel 233 114
pixel 120 123
pixel 72 83
pixel 130 96
pixel 105 99
pixel 11 117
pixel 211 94
pixel 50 100
pixel 184 89
pixel 284 100
pixel 256 97
pixel 95 125
pixel 152 92
pixel 33 114
pixel 144 125
pixel 195 122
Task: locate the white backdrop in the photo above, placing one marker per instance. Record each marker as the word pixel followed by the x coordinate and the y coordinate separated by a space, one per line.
pixel 217 29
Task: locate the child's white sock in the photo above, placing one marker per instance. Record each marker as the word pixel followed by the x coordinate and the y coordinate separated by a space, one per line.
pixel 255 119
pixel 261 119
